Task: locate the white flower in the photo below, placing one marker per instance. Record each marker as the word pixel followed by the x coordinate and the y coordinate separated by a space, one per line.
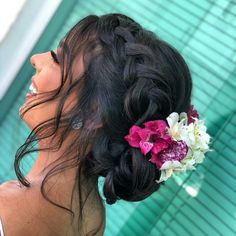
pixel 167 169
pixel 171 165
pixel 188 163
pixel 198 156
pixel 176 129
pixel 196 138
pixel 194 134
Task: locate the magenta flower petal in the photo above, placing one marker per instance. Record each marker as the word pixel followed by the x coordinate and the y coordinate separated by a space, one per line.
pixel 192 113
pixel 162 127
pixel 177 151
pixel 133 137
pixel 144 134
pixel 145 146
pixel 156 126
pixel 159 146
pixel 134 129
pixel 168 139
pixel 156 160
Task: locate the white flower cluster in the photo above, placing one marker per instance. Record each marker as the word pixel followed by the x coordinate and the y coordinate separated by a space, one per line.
pixel 196 138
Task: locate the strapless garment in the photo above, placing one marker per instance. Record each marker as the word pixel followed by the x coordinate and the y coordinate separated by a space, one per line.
pixel 1 228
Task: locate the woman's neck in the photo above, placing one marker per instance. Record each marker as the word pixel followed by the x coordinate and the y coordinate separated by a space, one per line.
pixel 53 155
pixel 64 180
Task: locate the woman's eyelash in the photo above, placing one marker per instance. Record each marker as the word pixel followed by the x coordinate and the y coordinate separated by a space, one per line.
pixel 54 57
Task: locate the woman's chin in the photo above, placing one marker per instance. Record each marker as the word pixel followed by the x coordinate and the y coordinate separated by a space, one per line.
pixel 26 115
pixel 28 101
pixel 21 109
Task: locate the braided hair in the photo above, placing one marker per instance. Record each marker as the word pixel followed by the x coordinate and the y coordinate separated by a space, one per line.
pixel 140 78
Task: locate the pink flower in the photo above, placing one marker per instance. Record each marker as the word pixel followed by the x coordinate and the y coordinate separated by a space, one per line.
pixel 177 150
pixel 152 137
pixel 157 126
pixel 192 113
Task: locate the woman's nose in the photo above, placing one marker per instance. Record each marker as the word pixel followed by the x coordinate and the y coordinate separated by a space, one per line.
pixel 35 62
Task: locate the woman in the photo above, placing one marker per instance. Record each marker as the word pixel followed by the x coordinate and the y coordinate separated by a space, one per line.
pixel 107 75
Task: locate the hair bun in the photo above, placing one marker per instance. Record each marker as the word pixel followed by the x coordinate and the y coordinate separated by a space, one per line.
pixel 131 179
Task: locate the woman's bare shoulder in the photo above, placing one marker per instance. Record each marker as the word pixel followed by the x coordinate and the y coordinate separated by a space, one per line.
pixel 9 191
pixel 22 212
pixel 12 209
pixel 12 193
pixel 28 211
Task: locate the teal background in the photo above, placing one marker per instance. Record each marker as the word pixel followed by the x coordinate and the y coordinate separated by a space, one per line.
pixel 205 34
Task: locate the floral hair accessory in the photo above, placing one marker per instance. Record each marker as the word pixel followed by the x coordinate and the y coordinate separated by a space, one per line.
pixel 175 145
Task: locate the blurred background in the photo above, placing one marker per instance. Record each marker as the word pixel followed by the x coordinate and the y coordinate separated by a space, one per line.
pixel 202 202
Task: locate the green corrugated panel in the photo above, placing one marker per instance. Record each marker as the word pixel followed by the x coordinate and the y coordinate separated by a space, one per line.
pixel 194 203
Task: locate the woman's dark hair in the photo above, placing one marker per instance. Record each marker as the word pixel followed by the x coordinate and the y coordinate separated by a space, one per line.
pixel 130 76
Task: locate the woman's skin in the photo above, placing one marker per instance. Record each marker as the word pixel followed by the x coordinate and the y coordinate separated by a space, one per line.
pixel 32 209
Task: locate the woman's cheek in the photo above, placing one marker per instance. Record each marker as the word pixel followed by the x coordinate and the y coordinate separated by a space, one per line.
pixel 55 83
pixel 48 82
